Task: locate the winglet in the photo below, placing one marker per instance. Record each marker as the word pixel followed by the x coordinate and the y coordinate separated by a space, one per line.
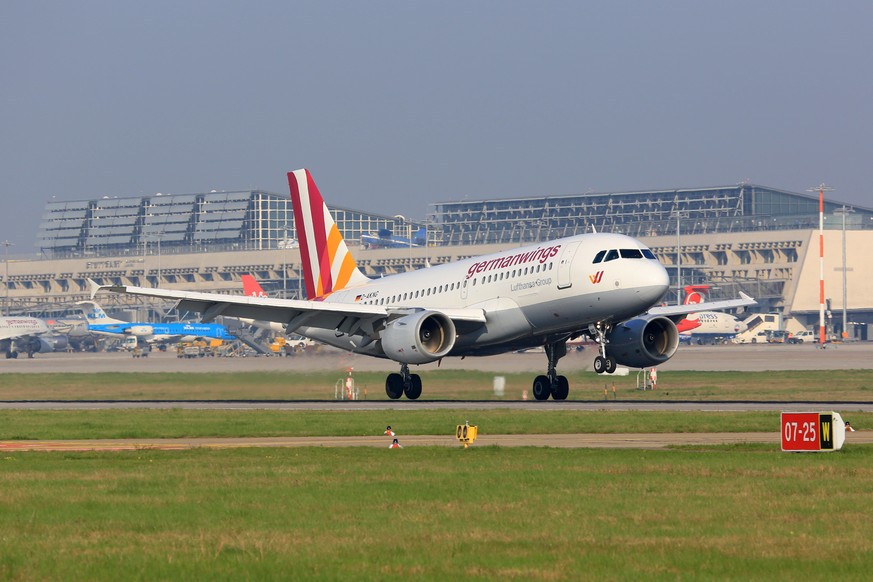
pixel 95 287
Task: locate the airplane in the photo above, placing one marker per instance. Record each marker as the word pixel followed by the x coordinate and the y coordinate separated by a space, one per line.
pixel 251 288
pixel 703 324
pixel 28 334
pixel 100 323
pixel 601 285
pixel 384 239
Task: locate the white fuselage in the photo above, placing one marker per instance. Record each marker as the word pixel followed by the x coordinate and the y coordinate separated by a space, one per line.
pixel 714 323
pixel 527 294
pixel 14 327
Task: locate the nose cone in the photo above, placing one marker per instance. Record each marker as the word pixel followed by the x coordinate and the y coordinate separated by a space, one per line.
pixel 652 281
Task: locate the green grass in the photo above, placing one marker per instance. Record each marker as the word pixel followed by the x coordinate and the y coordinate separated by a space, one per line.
pixel 431 513
pixel 854 385
pixel 177 423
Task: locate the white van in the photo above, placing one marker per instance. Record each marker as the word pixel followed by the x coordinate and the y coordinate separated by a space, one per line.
pixel 803 336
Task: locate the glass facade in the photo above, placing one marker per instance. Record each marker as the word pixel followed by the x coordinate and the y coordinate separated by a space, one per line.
pixel 256 220
pixel 744 207
pixel 212 221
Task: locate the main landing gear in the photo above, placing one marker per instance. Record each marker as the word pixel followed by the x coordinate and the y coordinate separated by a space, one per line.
pixel 551 384
pixel 396 385
pixel 603 364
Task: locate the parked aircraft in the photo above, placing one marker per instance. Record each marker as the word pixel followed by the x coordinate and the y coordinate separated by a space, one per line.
pixel 600 285
pixel 29 335
pixel 251 288
pixel 703 325
pixel 100 323
pixel 385 239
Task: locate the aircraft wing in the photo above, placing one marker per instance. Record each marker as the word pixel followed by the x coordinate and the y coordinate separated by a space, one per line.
pixel 293 313
pixel 673 311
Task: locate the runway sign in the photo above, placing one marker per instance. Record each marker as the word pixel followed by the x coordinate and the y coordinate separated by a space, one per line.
pixel 812 431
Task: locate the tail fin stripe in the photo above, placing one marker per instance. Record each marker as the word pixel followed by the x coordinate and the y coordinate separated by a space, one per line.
pixel 303 222
pixel 327 263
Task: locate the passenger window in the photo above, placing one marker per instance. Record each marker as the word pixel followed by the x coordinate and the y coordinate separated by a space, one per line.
pixel 631 254
pixel 611 255
pixel 599 256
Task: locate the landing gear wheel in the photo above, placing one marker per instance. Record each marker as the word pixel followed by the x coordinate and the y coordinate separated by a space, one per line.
pixel 542 388
pixel 561 388
pixel 394 386
pixel 599 364
pixel 609 365
pixel 413 389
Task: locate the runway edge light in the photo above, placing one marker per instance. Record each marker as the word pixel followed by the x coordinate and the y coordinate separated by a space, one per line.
pixel 466 434
pixel 812 431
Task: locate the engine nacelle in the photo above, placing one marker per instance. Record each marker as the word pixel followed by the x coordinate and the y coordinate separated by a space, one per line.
pixel 141 330
pixel 55 343
pixel 419 338
pixel 643 341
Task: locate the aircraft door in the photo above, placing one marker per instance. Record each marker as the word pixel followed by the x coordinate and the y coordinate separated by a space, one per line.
pixel 566 260
pixel 464 284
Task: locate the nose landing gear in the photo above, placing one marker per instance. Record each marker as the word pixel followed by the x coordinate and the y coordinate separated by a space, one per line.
pixel 603 364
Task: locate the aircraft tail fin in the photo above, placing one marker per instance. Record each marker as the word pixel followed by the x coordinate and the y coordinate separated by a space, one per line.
pixel 695 294
pixel 328 265
pixel 95 314
pixel 251 288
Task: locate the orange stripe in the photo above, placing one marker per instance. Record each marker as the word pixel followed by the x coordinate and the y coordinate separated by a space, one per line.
pixel 348 267
pixel 333 242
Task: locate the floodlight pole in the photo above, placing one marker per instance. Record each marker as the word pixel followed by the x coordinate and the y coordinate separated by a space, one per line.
pixel 844 211
pixel 7 244
pixel 679 214
pixel 822 330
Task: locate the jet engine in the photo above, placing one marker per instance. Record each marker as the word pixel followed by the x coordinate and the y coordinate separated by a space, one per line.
pixel 419 338
pixel 41 345
pixel 55 343
pixel 643 341
pixel 140 330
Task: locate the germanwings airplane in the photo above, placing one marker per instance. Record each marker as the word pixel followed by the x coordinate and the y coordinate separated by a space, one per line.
pixel 100 323
pixel 707 323
pixel 599 285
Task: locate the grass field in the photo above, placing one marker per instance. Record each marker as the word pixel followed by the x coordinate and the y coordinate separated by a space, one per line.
pixel 846 385
pixel 429 513
pixel 426 513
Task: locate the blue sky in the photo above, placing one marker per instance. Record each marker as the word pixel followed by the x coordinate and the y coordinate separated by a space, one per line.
pixel 393 105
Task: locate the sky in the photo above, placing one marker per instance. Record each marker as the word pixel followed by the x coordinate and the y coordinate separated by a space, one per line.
pixel 395 105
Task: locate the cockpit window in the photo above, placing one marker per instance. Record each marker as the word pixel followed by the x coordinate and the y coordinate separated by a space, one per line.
pixel 631 254
pixel 599 256
pixel 648 254
pixel 611 255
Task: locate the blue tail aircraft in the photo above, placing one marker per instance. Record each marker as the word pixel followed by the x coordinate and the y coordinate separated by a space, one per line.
pixel 100 323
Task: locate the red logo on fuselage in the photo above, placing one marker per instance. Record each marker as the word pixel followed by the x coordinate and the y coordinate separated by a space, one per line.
pixel 596 277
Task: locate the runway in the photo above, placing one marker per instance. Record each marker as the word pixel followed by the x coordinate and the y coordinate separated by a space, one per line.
pixel 361 405
pixel 748 357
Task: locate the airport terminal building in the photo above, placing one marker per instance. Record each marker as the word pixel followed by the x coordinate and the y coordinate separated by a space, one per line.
pixel 757 239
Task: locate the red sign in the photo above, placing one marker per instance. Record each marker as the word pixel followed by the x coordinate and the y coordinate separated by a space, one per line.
pixel 807 431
